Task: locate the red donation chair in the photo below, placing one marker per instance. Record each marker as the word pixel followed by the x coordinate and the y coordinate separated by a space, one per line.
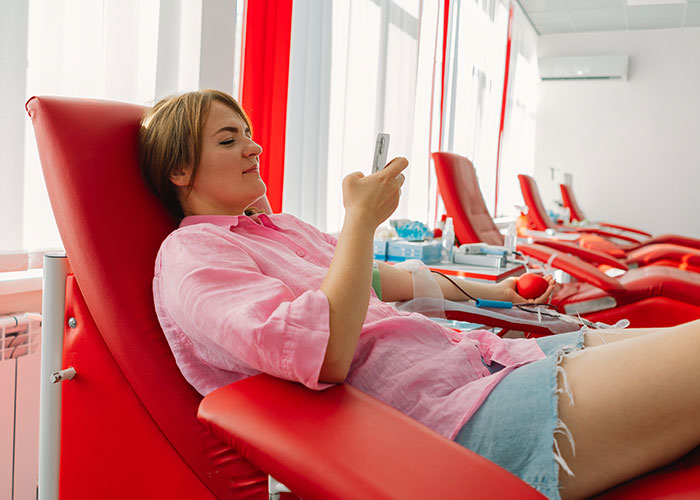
pixel 676 254
pixel 576 214
pixel 649 297
pixel 667 250
pixel 129 420
pixel 132 427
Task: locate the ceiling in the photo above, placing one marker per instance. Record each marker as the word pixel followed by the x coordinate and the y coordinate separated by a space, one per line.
pixel 577 16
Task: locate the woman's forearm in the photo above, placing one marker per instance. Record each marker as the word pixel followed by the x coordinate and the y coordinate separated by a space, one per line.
pixel 397 285
pixel 347 286
pixel 476 289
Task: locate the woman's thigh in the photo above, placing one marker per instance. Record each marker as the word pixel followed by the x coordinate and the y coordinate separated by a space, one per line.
pixel 635 407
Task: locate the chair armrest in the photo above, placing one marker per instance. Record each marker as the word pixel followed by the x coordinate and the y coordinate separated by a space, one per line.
pixel 341 443
pixel 607 234
pixel 625 228
pixel 650 254
pixel 586 254
pixel 574 266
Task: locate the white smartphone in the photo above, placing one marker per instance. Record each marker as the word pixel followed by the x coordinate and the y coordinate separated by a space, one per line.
pixel 381 150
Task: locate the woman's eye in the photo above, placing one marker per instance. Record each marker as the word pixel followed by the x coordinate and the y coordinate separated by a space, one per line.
pixel 227 142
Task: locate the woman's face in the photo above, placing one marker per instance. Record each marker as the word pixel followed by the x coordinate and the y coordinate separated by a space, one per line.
pixel 228 179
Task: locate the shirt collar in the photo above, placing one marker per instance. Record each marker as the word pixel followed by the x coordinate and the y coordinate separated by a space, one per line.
pixel 228 221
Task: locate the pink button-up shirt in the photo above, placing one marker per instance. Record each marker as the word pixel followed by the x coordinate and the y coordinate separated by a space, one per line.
pixel 238 295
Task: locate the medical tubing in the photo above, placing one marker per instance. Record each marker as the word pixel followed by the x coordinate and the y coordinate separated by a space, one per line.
pixel 501 304
pixel 454 283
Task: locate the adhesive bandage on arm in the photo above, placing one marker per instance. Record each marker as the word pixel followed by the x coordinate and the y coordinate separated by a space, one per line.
pixel 426 289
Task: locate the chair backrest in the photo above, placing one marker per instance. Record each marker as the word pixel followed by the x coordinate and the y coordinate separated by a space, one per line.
pixel 567 195
pixel 536 213
pixel 463 200
pixel 112 226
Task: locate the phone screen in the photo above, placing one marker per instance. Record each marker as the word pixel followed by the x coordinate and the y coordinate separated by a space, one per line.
pixel 381 150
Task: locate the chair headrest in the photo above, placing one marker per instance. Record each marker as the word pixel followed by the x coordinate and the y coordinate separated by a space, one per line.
pixel 536 212
pixel 112 226
pixel 459 188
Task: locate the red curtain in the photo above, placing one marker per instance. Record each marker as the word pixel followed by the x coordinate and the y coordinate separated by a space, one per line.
pixel 268 26
pixel 506 78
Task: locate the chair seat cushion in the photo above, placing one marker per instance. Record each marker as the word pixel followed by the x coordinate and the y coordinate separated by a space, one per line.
pixel 659 281
pixel 650 254
pixel 595 242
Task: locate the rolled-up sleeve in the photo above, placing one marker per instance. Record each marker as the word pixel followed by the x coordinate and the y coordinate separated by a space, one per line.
pixel 216 293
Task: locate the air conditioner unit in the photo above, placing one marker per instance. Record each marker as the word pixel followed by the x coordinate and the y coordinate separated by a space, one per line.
pixel 604 67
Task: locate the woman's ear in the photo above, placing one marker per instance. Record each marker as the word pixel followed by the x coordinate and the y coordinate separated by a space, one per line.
pixel 180 176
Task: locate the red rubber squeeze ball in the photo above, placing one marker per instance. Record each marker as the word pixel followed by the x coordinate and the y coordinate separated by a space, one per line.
pixel 530 285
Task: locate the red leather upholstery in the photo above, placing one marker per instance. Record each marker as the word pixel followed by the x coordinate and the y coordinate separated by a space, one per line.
pixel 339 423
pixel 638 294
pixel 111 445
pixel 129 418
pixel 682 257
pixel 539 219
pixel 111 227
pixel 459 189
pixel 595 242
pixel 640 290
pixel 588 254
pixel 536 213
pixel 576 214
pixel 678 481
pixel 567 195
pixel 130 427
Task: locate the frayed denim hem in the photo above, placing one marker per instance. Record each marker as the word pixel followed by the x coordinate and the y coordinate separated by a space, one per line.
pixel 517 424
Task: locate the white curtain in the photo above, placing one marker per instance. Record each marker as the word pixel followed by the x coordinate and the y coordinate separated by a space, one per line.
pixel 477 37
pixel 308 99
pixel 372 63
pixel 518 140
pixel 127 50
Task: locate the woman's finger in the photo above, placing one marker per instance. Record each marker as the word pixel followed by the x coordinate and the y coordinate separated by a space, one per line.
pixel 394 168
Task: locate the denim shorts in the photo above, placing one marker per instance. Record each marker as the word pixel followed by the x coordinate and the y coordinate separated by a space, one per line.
pixel 516 424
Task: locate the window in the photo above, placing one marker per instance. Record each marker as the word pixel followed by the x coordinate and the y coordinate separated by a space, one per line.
pixel 127 50
pixel 476 49
pixel 518 141
pixel 372 72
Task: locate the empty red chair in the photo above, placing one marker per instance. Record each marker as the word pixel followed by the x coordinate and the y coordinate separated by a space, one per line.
pixel 666 250
pixel 576 214
pixel 649 296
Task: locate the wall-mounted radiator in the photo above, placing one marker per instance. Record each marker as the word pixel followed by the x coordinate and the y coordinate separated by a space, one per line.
pixel 20 342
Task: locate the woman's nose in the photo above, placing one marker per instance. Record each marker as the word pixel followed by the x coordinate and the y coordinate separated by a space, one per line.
pixel 254 149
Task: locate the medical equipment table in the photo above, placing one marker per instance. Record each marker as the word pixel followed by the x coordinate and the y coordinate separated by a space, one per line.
pixel 479 273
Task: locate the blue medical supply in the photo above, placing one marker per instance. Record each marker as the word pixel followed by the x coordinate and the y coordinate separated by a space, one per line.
pixel 414 231
pixel 380 247
pixel 494 303
pixel 400 250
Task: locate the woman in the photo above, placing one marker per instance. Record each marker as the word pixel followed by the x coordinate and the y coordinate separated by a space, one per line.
pixel 239 292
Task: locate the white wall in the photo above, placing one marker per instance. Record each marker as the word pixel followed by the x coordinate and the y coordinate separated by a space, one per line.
pixel 632 146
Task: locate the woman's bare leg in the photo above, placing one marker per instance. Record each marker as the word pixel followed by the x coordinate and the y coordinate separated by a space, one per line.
pixel 605 336
pixel 636 408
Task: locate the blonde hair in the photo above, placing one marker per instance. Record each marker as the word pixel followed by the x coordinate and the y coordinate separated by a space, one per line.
pixel 170 137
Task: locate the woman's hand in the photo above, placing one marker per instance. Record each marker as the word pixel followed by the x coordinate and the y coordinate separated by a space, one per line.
pixel 368 202
pixel 510 295
pixel 374 198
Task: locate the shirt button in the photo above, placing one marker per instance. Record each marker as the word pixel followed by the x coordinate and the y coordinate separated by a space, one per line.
pixel 301 253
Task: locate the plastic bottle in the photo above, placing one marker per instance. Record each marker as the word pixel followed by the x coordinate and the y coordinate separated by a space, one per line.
pixel 511 238
pixel 437 232
pixel 448 241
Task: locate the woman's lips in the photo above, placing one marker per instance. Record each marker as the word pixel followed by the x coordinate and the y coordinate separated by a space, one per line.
pixel 251 169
